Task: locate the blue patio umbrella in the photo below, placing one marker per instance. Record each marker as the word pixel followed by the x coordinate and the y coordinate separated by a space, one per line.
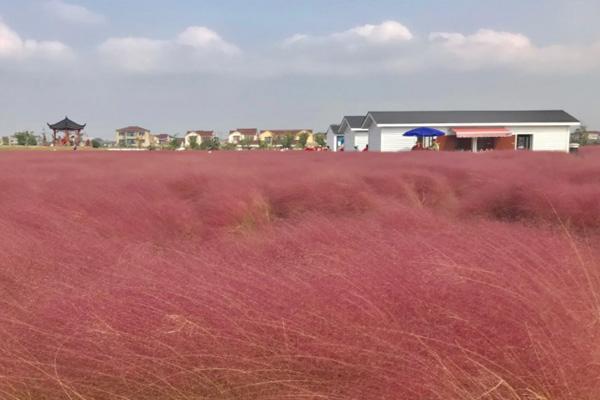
pixel 424 132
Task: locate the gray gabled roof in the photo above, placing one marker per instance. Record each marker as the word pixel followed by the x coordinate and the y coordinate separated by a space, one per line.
pixel 335 129
pixel 355 121
pixel 471 117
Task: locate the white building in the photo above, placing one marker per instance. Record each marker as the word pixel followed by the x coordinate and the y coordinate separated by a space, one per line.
pixel 135 137
pixel 356 137
pixel 335 139
pixel 545 130
pixel 197 137
pixel 247 135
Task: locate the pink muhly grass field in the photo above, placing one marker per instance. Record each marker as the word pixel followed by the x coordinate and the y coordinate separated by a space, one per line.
pixel 299 276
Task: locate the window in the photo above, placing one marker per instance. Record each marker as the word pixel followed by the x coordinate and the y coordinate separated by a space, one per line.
pixel 484 144
pixel 464 144
pixel 524 142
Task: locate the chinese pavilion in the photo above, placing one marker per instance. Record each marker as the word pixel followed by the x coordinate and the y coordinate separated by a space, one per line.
pixel 71 132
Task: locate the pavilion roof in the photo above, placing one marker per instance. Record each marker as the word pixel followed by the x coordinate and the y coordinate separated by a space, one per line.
pixel 67 125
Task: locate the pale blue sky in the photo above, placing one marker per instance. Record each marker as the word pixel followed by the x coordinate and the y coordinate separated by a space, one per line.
pixel 175 65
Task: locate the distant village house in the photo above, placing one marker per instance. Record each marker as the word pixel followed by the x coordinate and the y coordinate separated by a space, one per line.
pixel 135 137
pixel 198 137
pixel 163 139
pixel 276 136
pixel 244 135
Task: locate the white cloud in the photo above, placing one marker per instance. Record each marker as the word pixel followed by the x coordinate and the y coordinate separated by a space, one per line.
pixel 74 13
pixel 135 54
pixel 13 47
pixel 195 49
pixel 386 33
pixel 494 49
pixel 362 49
pixel 390 47
pixel 201 38
pixel 483 48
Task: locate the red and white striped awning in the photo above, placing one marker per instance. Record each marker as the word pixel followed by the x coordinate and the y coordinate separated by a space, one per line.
pixel 481 132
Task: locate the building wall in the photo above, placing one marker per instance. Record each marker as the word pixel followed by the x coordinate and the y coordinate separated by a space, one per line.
pixel 393 139
pixel 374 138
pixel 234 137
pixel 199 139
pixel 142 139
pixel 361 140
pixel 332 140
pixel 348 140
pixel 506 143
pixel 310 140
pixel 149 140
pixel 547 138
pixel 354 138
pixel 447 143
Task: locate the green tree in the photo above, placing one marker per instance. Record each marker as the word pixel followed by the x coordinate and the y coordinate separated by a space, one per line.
pixel 303 140
pixel 194 143
pixel 26 138
pixel 96 143
pixel 320 139
pixel 287 141
pixel 174 143
pixel 215 143
pixel 580 135
pixel 210 144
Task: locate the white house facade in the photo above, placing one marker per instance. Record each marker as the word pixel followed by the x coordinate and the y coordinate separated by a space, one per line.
pixel 335 139
pixel 356 137
pixel 238 136
pixel 197 137
pixel 542 130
